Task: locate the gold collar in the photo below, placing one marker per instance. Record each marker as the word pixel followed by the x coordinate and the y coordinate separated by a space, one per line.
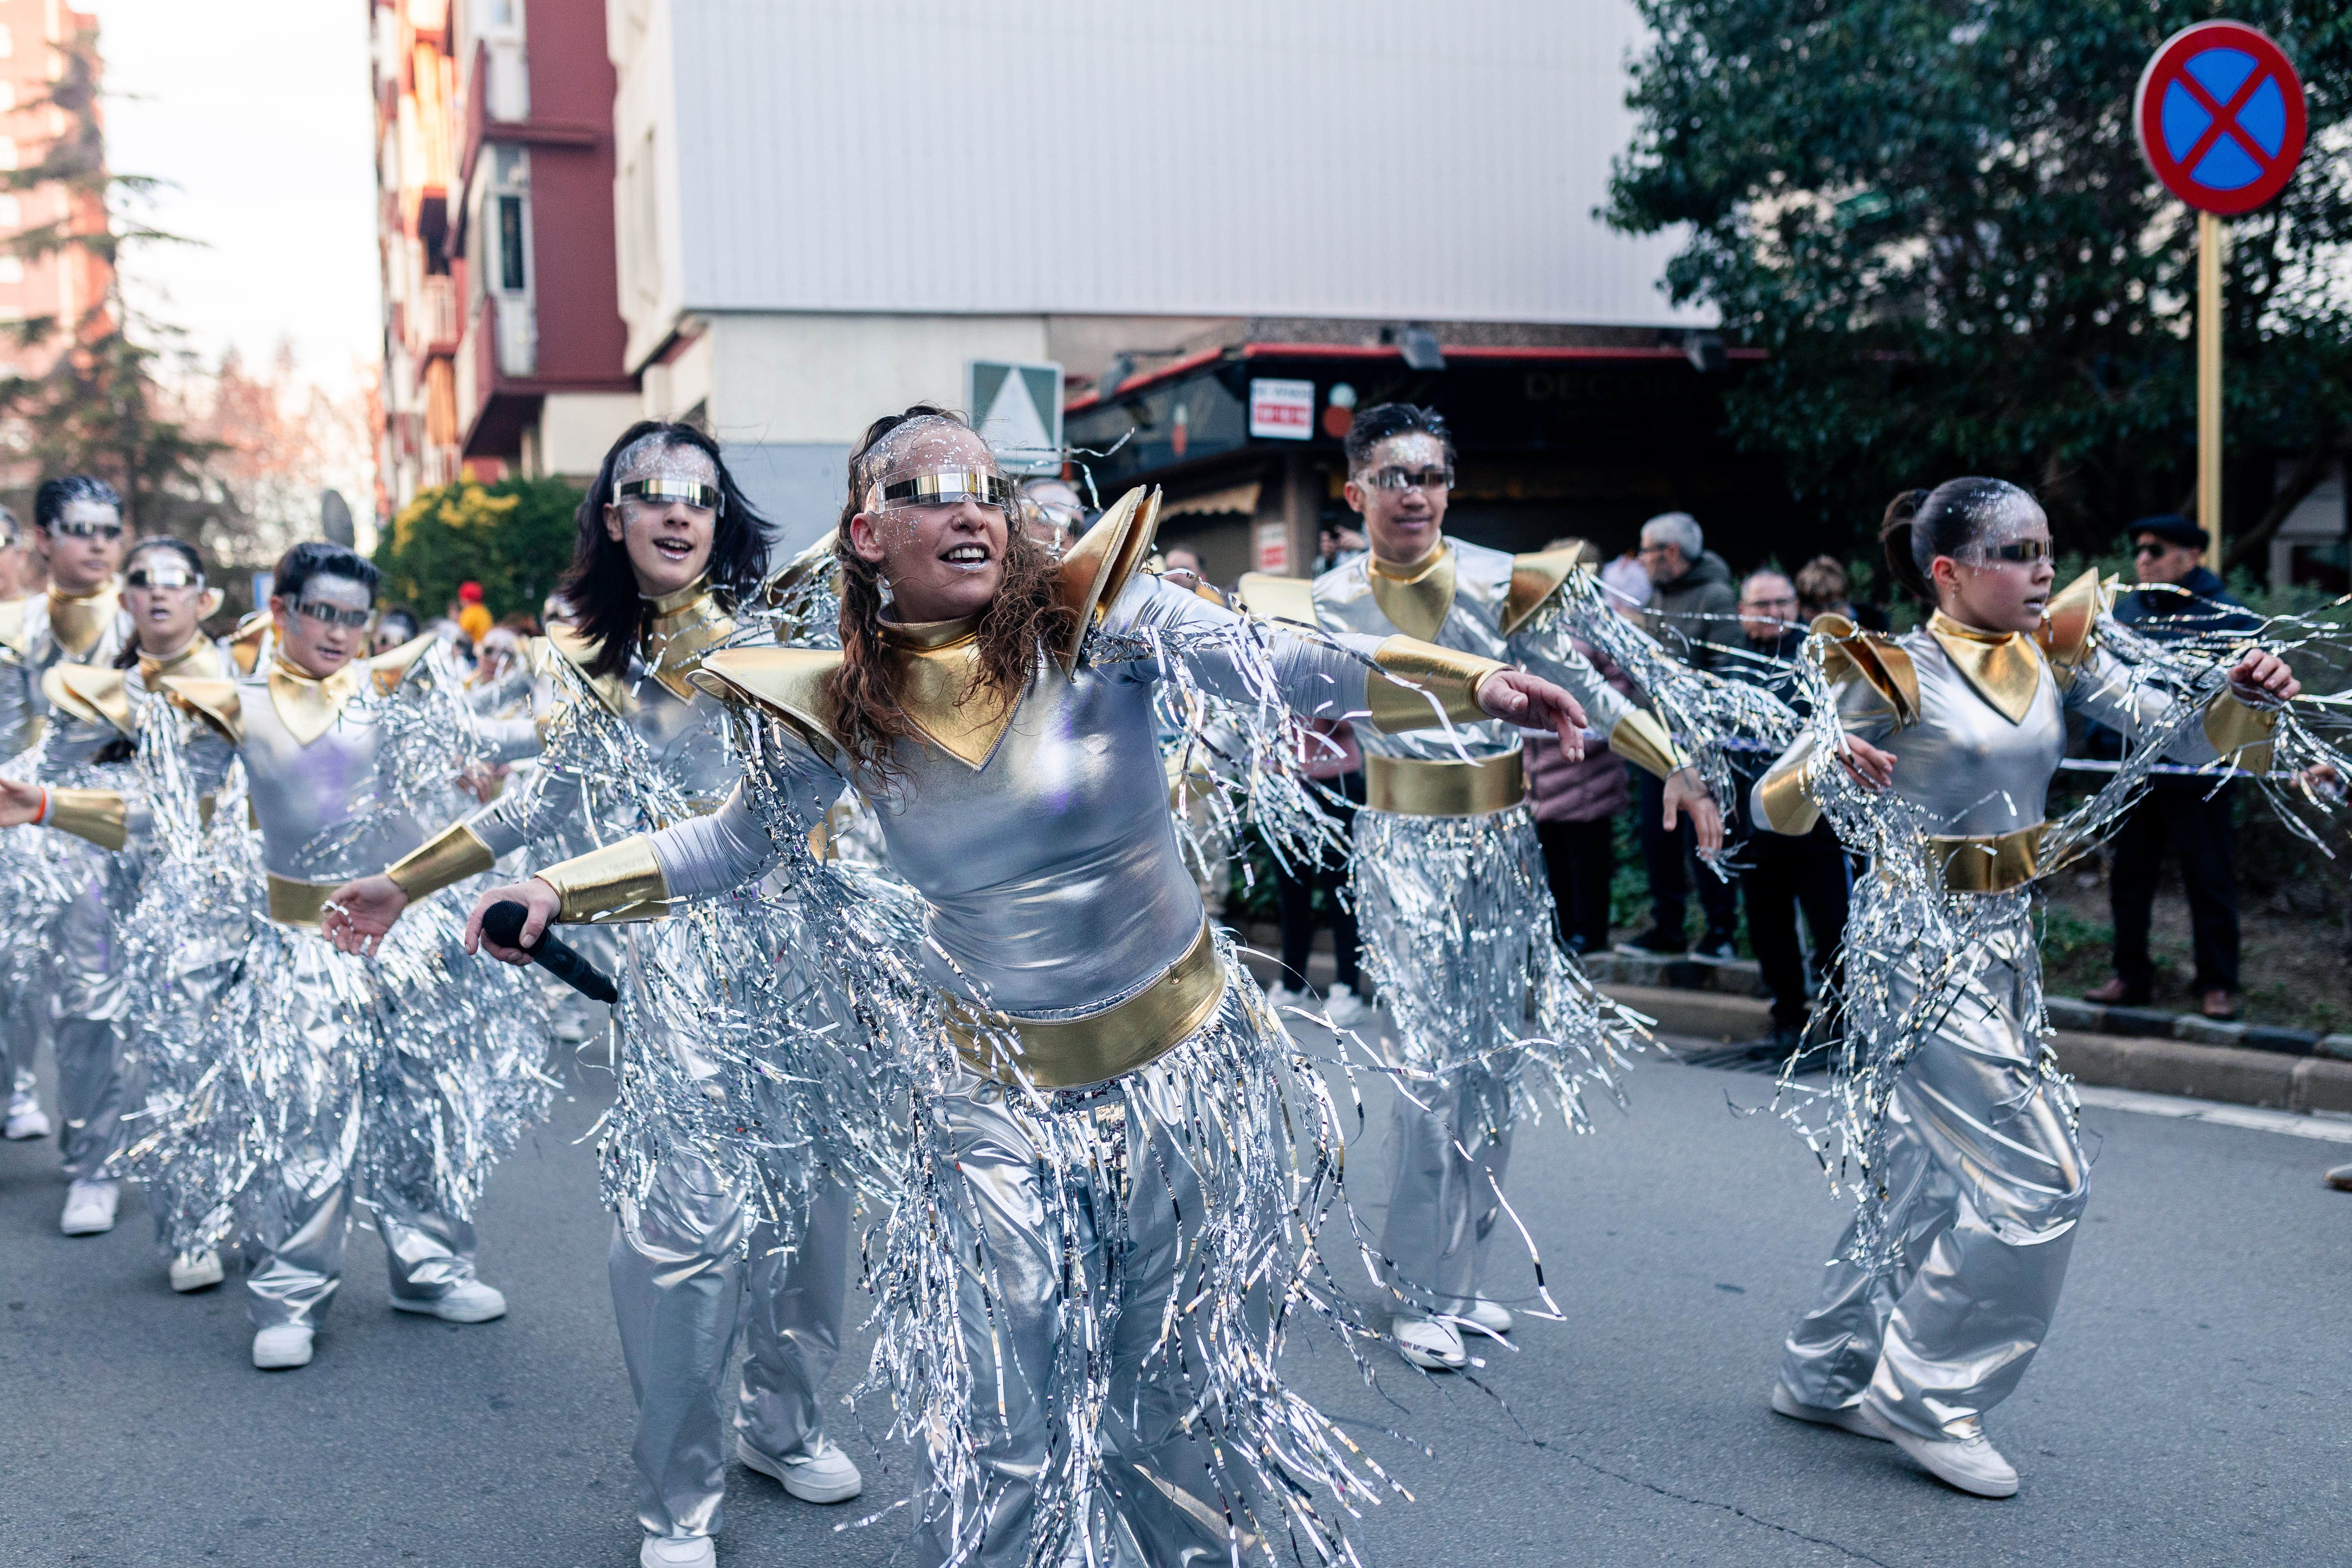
pixel 2005 667
pixel 308 706
pixel 77 621
pixel 1417 598
pixel 185 662
pixel 932 670
pixel 684 625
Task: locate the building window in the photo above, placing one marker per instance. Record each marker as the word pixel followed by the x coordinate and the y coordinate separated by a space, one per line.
pixel 511 278
pixel 7 42
pixel 12 213
pixel 11 270
pixel 8 152
pixel 7 96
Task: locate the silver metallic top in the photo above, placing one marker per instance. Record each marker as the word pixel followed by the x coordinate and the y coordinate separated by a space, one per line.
pixel 1051 872
pixel 90 631
pixel 1471 619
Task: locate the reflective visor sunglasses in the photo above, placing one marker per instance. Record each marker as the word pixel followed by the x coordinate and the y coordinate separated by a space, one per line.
pixel 171 576
pixel 661 491
pixel 2024 549
pixel 62 528
pixel 333 614
pixel 1396 479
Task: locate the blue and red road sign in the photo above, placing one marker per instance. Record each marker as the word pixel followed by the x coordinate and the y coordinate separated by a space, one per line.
pixel 2221 118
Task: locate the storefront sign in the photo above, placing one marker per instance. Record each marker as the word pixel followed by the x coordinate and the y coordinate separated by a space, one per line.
pixel 1271 543
pixel 1282 411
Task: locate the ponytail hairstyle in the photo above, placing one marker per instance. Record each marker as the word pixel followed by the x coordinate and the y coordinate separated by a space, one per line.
pixel 600 591
pixel 1021 626
pixel 1920 525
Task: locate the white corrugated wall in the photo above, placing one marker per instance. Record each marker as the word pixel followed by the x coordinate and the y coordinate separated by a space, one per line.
pixel 1373 158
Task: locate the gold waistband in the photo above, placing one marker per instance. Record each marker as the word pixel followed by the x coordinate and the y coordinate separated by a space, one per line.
pixel 1410 786
pixel 1070 1053
pixel 297 903
pixel 1990 863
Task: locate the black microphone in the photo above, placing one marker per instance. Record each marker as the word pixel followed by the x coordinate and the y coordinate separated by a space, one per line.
pixel 502 924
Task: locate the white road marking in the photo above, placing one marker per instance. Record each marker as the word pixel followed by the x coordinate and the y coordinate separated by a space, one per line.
pixel 2294 1124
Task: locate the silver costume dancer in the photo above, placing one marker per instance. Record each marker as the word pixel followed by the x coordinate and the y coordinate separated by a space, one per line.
pixel 698 1251
pixel 1450 890
pixel 1104 1220
pixel 1972 1180
pixel 341 1078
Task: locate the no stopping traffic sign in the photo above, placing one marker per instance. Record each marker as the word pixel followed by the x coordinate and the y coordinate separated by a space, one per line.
pixel 2220 117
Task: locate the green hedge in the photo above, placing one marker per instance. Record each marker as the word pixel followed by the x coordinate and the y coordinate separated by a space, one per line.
pixel 514 538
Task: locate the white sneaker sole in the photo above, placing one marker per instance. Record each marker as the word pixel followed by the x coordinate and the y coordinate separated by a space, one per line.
pixel 87 1224
pixel 1846 1418
pixel 436 1308
pixel 1925 1454
pixel 185 1280
pixel 790 1478
pixel 25 1131
pixel 275 1360
pixel 646 1558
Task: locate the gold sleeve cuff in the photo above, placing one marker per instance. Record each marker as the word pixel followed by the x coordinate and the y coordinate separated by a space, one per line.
pixel 1782 801
pixel 100 815
pixel 1452 678
pixel 1642 740
pixel 604 887
pixel 454 854
pixel 2241 735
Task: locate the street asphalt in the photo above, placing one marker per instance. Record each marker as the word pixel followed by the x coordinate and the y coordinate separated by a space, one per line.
pixel 2194 1404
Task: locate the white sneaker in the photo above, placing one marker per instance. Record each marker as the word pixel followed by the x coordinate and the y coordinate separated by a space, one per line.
pixel 195 1271
pixel 468 1302
pixel 25 1117
pixel 677 1551
pixel 281 1347
pixel 1426 1342
pixel 1970 1464
pixel 1489 1317
pixel 1844 1417
pixel 90 1208
pixel 1278 996
pixel 1345 1008
pixel 824 1474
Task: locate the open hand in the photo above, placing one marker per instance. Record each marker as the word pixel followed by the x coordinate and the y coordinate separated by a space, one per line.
pixel 20 803
pixel 2263 681
pixel 1534 704
pixel 361 913
pixel 1686 793
pixel 1869 767
pixel 540 904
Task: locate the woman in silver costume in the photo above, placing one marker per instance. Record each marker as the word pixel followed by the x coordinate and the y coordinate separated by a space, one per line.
pixel 669 552
pixel 1103 1212
pixel 343 1078
pixel 1450 890
pixel 1974 1181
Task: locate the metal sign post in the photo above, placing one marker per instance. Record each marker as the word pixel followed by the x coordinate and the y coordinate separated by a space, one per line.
pixel 2221 123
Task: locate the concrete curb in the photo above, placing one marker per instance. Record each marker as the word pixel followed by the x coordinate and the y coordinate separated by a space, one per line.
pixel 2231 1074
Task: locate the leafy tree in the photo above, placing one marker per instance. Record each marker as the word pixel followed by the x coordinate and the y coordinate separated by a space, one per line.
pixel 96 407
pixel 513 537
pixel 1935 216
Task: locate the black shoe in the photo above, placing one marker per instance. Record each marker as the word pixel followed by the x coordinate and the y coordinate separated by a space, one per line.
pixel 1717 949
pixel 1655 942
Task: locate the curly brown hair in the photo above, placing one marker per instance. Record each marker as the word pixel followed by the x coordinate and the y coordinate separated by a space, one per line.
pixel 1020 627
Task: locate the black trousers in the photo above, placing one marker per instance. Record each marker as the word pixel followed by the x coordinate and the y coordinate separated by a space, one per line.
pixel 2201 834
pixel 1580 861
pixel 1295 896
pixel 1666 856
pixel 1786 875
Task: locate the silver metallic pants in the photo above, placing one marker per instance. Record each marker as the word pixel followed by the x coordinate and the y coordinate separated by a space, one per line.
pixel 84 1005
pixel 1119 1260
pixel 1453 1151
pixel 683 1289
pixel 1985 1180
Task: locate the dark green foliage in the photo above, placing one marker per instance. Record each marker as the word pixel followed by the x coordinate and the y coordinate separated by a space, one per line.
pixel 1935 216
pixel 514 538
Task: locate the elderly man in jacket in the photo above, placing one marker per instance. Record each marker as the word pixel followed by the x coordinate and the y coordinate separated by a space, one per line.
pixel 1694 612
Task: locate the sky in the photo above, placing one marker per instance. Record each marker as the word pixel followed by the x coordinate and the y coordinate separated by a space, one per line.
pixel 257 114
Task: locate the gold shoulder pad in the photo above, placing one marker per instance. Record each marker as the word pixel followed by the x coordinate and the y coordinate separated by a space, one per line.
pixel 214 701
pixel 245 643
pixel 786 682
pixel 1277 598
pixel 578 652
pixel 94 696
pixel 392 668
pixel 2070 621
pixel 798 570
pixel 1535 578
pixel 1101 564
pixel 12 625
pixel 1878 661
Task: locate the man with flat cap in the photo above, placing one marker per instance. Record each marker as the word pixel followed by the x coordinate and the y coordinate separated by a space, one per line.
pixel 2178 597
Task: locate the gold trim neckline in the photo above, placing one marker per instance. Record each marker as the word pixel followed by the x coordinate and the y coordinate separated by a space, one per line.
pixel 678 599
pixel 1412 571
pixel 2004 668
pixel 928 636
pixel 1417 606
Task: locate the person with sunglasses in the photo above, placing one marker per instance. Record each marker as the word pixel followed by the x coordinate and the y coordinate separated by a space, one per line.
pixel 2178 597
pixel 667 568
pixel 1974 1180
pixel 1452 898
pixel 58 967
pixel 400 1082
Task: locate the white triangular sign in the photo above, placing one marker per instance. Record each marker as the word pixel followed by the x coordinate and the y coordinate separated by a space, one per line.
pixel 1012 425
